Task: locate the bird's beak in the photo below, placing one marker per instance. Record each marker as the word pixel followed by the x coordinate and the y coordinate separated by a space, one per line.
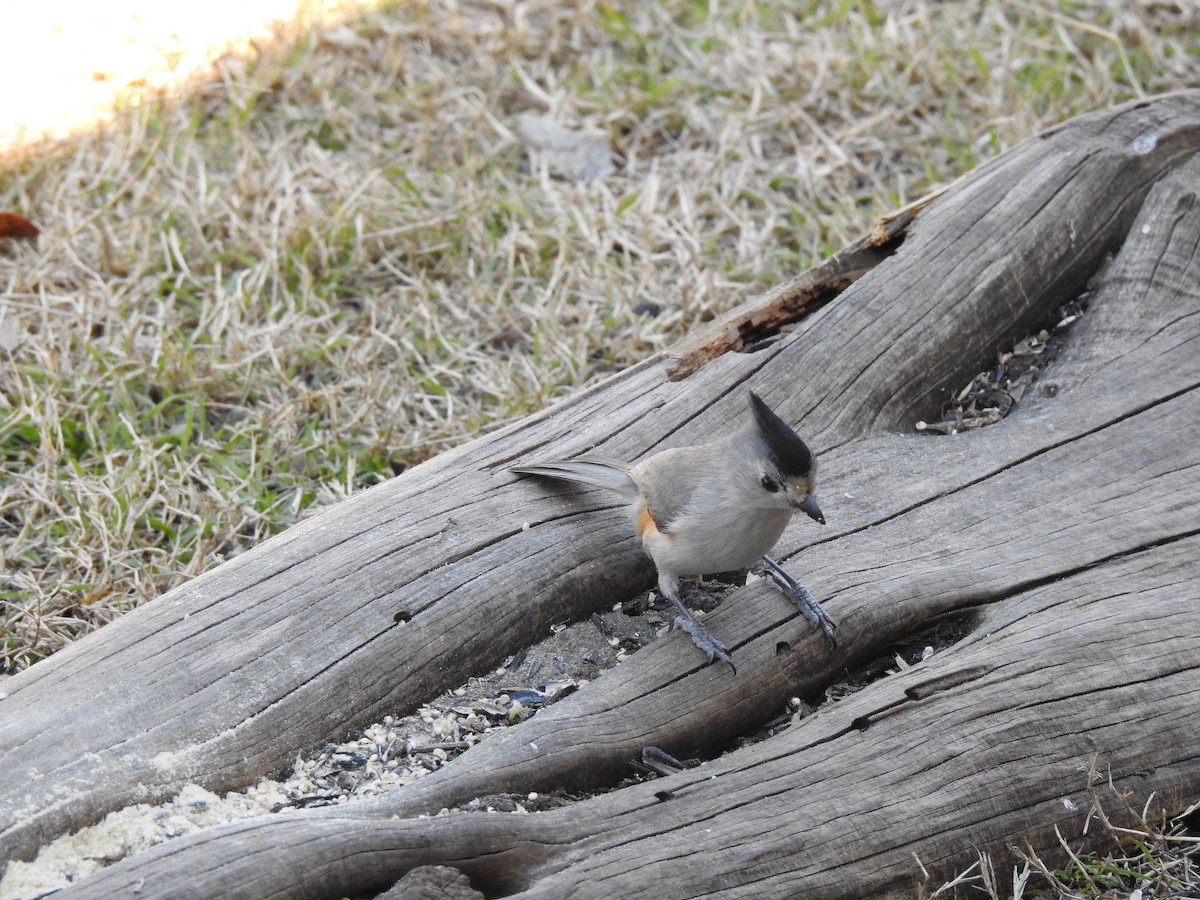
pixel 809 505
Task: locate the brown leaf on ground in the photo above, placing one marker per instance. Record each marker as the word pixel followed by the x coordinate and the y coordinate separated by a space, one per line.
pixel 18 227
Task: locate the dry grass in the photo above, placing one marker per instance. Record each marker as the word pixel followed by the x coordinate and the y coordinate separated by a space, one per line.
pixel 335 258
pixel 1148 856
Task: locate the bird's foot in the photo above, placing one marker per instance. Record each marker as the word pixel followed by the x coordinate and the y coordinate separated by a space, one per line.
pixel 802 597
pixel 705 641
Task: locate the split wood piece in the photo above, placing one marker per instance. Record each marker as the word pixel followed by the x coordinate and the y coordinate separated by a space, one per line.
pixel 761 318
pixel 222 679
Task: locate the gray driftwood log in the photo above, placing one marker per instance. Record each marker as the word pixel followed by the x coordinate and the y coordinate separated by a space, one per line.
pixel 1066 537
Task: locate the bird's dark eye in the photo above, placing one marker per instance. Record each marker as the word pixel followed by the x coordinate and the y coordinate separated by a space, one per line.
pixel 769 484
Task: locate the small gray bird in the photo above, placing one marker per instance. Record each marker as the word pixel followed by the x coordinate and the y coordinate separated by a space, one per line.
pixel 714 507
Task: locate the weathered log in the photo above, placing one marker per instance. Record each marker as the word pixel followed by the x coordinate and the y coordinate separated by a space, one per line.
pixel 1021 526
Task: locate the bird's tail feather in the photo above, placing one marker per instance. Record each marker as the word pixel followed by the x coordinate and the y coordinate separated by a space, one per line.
pixel 591 470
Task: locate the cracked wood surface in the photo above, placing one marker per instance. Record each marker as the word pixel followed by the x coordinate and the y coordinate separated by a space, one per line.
pixel 1066 532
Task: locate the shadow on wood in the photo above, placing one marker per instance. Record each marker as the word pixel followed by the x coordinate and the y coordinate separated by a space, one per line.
pixel 1066 534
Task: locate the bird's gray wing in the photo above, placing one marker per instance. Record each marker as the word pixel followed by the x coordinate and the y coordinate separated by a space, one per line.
pixel 667 481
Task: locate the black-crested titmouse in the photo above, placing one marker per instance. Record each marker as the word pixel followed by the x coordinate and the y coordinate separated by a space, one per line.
pixel 713 507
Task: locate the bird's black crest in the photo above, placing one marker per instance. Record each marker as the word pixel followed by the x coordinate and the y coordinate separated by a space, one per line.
pixel 789 454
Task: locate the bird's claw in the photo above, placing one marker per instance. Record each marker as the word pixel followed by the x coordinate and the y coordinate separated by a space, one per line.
pixel 810 607
pixel 705 641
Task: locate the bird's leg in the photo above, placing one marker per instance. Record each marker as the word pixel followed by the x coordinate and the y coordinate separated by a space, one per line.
pixel 802 597
pixel 701 638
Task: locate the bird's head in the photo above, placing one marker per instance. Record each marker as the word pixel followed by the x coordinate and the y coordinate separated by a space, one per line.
pixel 788 475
